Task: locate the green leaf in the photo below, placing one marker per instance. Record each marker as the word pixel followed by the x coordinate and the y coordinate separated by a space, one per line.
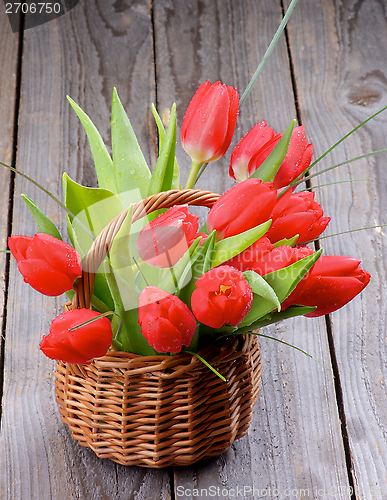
pixel 130 336
pixel 94 208
pixel 130 168
pixel 275 317
pixel 291 242
pixel 102 160
pixel 230 247
pixel 201 263
pixel 283 282
pixel 271 165
pixel 182 270
pixel 260 287
pixel 45 225
pixel 119 254
pixel 160 127
pixel 162 177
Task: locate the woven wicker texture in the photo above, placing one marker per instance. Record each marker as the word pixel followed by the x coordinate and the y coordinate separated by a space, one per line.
pixel 157 411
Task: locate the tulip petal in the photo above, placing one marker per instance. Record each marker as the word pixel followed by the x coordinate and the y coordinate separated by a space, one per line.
pixel 44 278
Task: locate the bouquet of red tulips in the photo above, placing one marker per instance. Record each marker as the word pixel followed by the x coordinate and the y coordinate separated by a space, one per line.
pixel 166 285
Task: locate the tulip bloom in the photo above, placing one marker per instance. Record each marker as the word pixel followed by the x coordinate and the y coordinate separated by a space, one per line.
pixel 259 143
pixel 297 214
pixel 79 346
pixel 246 259
pixel 166 322
pixel 222 296
pixel 49 265
pixel 297 159
pixel 163 241
pixel 242 207
pixel 253 149
pixel 332 283
pixel 209 122
pixel 209 125
pixel 279 258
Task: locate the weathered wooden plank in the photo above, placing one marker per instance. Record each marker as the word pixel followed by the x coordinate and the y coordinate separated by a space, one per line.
pixel 294 442
pixel 83 54
pixel 9 46
pixel 341 80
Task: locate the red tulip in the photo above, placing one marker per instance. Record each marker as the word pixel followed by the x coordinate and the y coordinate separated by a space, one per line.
pixel 253 149
pixel 297 214
pixel 297 159
pixel 252 254
pixel 162 242
pixel 166 322
pixel 259 142
pixel 222 296
pixel 242 207
pixel 81 345
pixel 49 265
pixel 332 283
pixel 209 122
pixel 279 258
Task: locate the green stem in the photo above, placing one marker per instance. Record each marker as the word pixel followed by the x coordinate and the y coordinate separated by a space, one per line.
pixel 193 173
pixel 269 50
pixel 202 169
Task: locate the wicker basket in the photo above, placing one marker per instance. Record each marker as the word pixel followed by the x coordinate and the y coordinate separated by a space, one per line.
pixel 157 411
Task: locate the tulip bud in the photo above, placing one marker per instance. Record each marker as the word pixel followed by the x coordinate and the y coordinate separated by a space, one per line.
pixel 166 322
pixel 253 149
pixel 260 141
pixel 209 122
pixel 333 282
pixel 81 345
pixel 297 214
pixel 222 296
pixel 242 207
pixel 49 265
pixel 163 241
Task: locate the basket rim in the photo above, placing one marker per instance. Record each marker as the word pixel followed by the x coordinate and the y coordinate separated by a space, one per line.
pixel 221 351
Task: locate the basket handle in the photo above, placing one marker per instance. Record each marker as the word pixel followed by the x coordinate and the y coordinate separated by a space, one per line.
pixel 102 244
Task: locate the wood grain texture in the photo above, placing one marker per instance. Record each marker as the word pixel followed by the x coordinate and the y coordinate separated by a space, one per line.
pixel 341 80
pixel 294 441
pixel 9 46
pixel 83 54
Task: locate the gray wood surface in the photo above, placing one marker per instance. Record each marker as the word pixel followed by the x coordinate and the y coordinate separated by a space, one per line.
pixel 160 52
pixel 341 82
pixel 9 44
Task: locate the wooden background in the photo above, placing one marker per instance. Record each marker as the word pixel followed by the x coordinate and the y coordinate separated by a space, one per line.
pixel 316 432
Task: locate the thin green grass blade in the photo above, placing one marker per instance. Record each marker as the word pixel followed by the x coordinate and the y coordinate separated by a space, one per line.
pixel 311 176
pixel 290 345
pixel 268 52
pixel 92 320
pixel 207 364
pixel 48 193
pixel 299 178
